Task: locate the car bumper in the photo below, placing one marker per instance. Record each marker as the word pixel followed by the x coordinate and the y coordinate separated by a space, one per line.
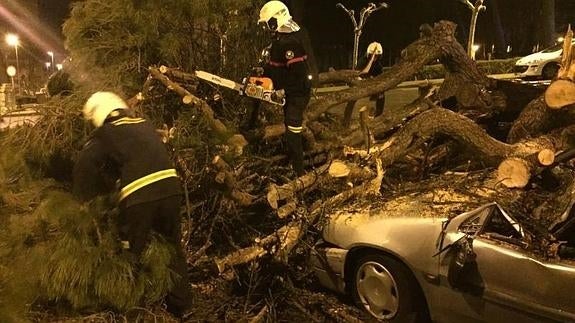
pixel 527 70
pixel 328 265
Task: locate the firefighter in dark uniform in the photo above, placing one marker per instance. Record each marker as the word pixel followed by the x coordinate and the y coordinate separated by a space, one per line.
pixel 372 67
pixel 288 69
pixel 129 149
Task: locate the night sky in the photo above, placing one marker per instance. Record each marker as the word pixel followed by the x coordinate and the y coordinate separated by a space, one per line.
pixel 54 12
pixel 331 30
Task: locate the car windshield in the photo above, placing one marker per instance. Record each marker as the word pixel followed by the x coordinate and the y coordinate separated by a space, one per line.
pixel 554 48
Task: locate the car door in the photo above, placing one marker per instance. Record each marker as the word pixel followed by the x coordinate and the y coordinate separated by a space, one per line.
pixel 506 283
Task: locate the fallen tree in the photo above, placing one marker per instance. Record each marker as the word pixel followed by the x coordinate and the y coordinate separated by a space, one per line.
pixel 248 218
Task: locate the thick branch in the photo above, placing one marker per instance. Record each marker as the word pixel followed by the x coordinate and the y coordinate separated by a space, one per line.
pixel 441 44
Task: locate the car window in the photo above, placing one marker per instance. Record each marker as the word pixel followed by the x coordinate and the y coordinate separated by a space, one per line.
pixel 553 48
pixel 503 225
pixel 493 222
pixel 472 225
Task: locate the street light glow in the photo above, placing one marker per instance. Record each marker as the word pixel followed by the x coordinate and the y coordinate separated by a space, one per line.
pixel 59 67
pixel 48 64
pixel 12 40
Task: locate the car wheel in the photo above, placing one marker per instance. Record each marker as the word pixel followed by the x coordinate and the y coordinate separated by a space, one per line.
pixel 386 289
pixel 550 71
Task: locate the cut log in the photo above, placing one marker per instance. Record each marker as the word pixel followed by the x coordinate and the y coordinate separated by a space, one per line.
pixel 560 93
pixel 338 168
pixel 546 157
pixel 514 172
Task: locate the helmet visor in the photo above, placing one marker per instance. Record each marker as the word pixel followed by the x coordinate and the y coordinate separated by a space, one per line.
pixel 271 24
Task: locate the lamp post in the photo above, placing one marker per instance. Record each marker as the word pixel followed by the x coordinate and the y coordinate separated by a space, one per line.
pixel 357 27
pixel 51 54
pixel 13 40
pixel 475 10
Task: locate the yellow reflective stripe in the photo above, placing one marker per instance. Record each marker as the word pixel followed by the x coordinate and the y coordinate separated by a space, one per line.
pixel 295 129
pixel 146 180
pixel 123 121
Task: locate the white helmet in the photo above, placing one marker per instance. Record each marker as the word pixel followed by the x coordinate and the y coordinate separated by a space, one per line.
pixel 275 14
pixel 99 106
pixel 374 48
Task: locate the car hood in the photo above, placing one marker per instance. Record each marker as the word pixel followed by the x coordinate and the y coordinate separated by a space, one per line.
pixel 384 224
pixel 539 57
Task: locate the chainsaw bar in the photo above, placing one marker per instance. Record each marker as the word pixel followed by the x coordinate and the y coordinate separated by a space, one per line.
pixel 251 87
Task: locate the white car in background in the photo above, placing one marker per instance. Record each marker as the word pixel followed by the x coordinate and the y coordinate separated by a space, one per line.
pixel 543 64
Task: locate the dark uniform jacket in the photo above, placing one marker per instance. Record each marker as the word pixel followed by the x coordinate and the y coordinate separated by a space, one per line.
pixel 376 67
pixel 130 150
pixel 287 66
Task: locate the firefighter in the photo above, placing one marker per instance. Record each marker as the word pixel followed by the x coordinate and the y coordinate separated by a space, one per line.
pixel 129 150
pixel 288 69
pixel 373 67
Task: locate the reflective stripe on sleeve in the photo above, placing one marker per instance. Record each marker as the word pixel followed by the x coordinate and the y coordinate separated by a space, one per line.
pixel 123 121
pixel 146 180
pixel 295 129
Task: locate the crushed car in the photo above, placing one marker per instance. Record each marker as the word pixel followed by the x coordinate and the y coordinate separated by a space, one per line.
pixel 404 267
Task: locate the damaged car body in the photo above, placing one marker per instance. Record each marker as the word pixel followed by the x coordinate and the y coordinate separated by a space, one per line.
pixel 475 266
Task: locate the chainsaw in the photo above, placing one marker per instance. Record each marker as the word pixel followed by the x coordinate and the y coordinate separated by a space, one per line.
pixel 256 87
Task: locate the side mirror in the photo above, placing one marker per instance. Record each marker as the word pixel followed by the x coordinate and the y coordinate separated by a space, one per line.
pixel 463 259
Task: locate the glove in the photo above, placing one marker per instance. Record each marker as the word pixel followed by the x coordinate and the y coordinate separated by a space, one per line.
pixel 278 95
pixel 258 71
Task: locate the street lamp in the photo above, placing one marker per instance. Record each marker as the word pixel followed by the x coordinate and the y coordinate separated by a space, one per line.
pixel 13 40
pixel 59 67
pixel 475 10
pixel 48 64
pixel 51 54
pixel 357 27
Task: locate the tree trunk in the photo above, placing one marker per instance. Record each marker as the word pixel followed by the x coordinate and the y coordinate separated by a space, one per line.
pixel 547 24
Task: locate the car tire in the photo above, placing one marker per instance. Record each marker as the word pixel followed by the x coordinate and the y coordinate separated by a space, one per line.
pixel 386 289
pixel 549 71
